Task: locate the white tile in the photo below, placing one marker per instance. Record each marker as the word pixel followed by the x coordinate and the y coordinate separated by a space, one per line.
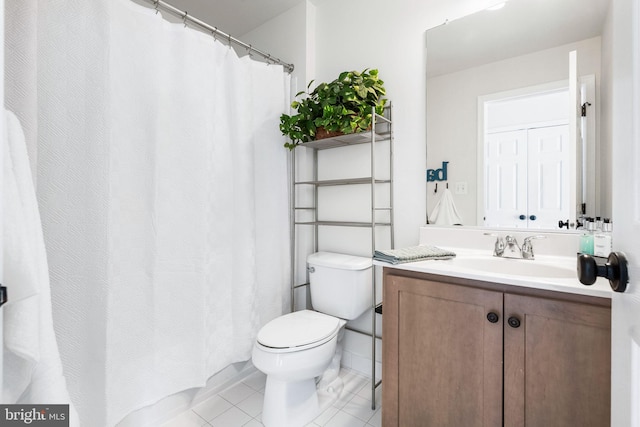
pixel 345 397
pixel 376 420
pixel 256 381
pixel 186 419
pixel 351 410
pixel 362 365
pixel 365 392
pixel 234 417
pixel 359 408
pixel 252 405
pixel 345 362
pixel 342 419
pixel 353 381
pixel 212 407
pixel 237 393
pixel 326 415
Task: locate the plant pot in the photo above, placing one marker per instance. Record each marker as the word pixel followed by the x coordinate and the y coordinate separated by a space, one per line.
pixel 322 133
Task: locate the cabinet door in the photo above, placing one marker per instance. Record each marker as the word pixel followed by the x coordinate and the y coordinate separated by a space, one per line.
pixel 442 358
pixel 557 363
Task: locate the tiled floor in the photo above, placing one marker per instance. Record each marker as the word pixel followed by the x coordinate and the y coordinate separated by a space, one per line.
pixel 241 405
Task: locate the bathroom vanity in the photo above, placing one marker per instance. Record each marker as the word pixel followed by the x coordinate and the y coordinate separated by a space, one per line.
pixel 467 346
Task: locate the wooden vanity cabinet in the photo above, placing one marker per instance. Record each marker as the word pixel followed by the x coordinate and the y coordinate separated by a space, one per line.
pixel 464 353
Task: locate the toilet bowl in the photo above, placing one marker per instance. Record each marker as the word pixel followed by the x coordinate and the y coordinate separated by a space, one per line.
pixel 296 349
pixel 290 394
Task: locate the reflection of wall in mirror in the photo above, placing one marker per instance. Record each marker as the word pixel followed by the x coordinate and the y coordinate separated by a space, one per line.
pixel 452 107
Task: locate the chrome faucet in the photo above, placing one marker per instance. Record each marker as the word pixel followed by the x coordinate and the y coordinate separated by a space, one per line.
pixel 527 247
pixel 498 248
pixel 512 248
pixel 508 246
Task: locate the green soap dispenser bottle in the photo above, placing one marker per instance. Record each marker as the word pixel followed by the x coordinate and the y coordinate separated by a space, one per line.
pixel 586 239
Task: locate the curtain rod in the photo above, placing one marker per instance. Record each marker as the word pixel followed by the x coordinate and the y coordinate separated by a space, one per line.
pixel 159 4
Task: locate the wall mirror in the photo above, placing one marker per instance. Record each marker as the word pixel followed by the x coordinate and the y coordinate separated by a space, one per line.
pixel 502 111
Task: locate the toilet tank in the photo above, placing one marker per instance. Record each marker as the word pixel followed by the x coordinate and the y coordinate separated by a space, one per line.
pixel 341 285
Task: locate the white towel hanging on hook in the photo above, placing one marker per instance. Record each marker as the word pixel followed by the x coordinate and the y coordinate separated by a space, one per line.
pixel 445 211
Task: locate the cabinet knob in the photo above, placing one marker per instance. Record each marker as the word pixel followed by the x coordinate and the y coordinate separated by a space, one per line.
pixel 522 217
pixel 533 217
pixel 514 322
pixel 493 317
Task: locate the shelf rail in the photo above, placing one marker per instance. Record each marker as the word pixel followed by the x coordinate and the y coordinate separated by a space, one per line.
pixel 372 137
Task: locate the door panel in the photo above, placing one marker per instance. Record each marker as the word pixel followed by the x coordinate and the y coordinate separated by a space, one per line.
pixel 506 179
pixel 625 114
pixel 549 157
pixel 449 356
pixel 557 363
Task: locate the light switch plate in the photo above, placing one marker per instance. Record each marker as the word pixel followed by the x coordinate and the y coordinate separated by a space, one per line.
pixel 461 188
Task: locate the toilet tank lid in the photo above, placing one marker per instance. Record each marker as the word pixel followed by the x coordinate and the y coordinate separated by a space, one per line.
pixel 341 261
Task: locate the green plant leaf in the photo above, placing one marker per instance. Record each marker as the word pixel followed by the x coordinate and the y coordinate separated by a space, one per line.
pixel 344 104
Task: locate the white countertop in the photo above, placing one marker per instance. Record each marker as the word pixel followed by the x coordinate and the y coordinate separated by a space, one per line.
pixel 458 267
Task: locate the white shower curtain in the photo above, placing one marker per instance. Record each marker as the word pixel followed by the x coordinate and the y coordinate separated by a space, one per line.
pixel 162 183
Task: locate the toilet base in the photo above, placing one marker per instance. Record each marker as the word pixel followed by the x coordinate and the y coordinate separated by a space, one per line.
pixel 290 403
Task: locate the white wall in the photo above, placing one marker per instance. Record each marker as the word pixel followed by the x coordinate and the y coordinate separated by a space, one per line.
pixel 453 101
pixel 290 37
pixel 325 37
pixel 390 36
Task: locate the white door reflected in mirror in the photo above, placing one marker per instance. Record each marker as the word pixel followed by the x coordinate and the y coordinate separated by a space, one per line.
pixel 527 159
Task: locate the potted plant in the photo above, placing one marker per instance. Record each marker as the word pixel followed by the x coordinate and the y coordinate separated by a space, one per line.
pixel 341 107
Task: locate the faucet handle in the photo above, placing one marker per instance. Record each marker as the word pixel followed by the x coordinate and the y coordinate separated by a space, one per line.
pixel 527 247
pixel 499 246
pixel 530 238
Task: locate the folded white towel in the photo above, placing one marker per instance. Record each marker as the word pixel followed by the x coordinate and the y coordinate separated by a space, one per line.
pixel 31 362
pixel 445 212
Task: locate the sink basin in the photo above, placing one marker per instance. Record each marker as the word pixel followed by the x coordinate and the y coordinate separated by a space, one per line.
pixel 516 267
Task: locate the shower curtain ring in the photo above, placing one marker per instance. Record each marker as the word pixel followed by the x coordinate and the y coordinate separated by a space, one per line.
pixel 184 18
pixel 214 32
pixel 249 49
pixel 157 5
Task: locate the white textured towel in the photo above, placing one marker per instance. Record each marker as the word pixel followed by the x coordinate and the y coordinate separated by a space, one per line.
pixel 32 366
pixel 412 253
pixel 445 212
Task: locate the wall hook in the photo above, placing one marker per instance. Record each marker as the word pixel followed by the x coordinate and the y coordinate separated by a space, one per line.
pixel 436 190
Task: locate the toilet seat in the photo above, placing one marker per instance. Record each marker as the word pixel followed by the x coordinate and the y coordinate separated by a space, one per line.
pixel 298 331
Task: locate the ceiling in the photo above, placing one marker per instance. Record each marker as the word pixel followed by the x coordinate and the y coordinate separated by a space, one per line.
pixel 234 17
pixel 521 27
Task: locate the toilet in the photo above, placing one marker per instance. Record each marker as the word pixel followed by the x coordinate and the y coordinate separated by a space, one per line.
pixel 300 351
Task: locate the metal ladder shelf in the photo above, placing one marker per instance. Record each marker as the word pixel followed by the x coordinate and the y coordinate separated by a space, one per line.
pixel 381 131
